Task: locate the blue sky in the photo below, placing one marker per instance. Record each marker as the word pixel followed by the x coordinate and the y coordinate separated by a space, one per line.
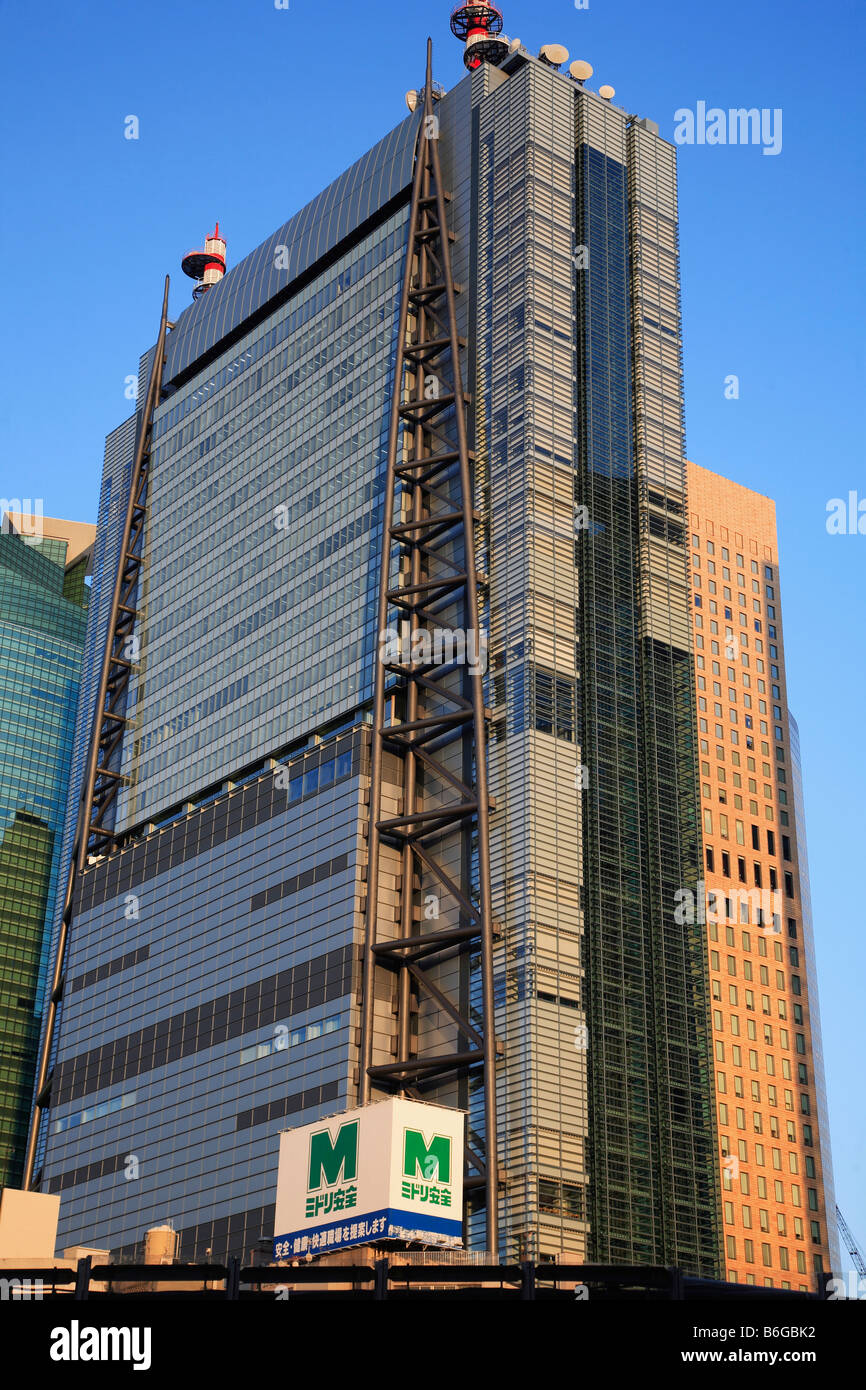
pixel 246 111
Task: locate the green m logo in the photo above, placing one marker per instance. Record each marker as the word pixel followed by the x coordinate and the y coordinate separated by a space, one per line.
pixel 431 1161
pixel 334 1160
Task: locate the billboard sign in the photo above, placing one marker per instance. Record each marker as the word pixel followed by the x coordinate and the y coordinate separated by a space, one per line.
pixel 392 1170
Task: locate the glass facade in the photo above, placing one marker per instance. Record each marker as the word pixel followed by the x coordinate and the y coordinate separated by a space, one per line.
pixel 605 1099
pixel 43 612
pixel 257 642
pixel 264 511
pixel 230 937
pixel 526 447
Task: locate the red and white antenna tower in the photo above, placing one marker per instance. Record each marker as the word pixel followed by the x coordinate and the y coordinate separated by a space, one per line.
pixel 480 27
pixel 208 266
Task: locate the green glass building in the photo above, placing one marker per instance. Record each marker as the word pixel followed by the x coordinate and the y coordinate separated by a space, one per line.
pixel 43 615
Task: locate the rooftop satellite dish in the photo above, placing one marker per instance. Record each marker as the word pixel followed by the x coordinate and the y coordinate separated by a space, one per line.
pixel 514 45
pixel 581 71
pixel 554 55
pixel 412 100
pixel 607 92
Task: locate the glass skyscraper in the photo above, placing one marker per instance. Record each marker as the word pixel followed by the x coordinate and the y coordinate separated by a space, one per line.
pixel 212 994
pixel 43 612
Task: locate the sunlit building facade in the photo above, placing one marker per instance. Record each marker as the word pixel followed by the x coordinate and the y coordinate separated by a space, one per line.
pixel 779 1219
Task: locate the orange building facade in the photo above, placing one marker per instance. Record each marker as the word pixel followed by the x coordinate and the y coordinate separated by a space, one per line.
pixel 774 1155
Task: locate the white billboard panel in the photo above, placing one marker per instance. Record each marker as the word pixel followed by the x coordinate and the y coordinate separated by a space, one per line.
pixel 389 1170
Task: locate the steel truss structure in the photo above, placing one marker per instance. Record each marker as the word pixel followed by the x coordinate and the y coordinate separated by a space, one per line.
pixel 429 708
pixel 102 778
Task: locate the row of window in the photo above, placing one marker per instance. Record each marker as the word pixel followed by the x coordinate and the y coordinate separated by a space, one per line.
pixel 755 1089
pixel 758 1120
pixel 732 638
pixel 94 1112
pixel 766 1254
pixel 761 937
pixel 763 971
pixel 784 1037
pixel 726 555
pixel 285 1037
pixel 733 1164
pixel 745 1209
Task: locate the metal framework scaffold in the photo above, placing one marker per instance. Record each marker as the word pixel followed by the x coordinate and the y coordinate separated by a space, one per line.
pixel 429 709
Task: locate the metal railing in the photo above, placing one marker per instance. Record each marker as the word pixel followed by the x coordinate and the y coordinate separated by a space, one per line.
pixel 399 1277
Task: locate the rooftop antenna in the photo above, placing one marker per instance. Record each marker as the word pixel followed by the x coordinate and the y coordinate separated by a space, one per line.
pixel 208 266
pixel 553 54
pixel 479 25
pixel 581 70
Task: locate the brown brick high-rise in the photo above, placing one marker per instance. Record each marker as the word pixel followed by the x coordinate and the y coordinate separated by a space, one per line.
pixel 777 1187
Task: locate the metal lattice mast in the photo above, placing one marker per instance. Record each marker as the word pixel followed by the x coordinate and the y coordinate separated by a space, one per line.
pixel 101 779
pixel 431 702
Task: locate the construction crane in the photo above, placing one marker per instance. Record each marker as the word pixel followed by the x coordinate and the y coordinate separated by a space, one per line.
pixel 851 1244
